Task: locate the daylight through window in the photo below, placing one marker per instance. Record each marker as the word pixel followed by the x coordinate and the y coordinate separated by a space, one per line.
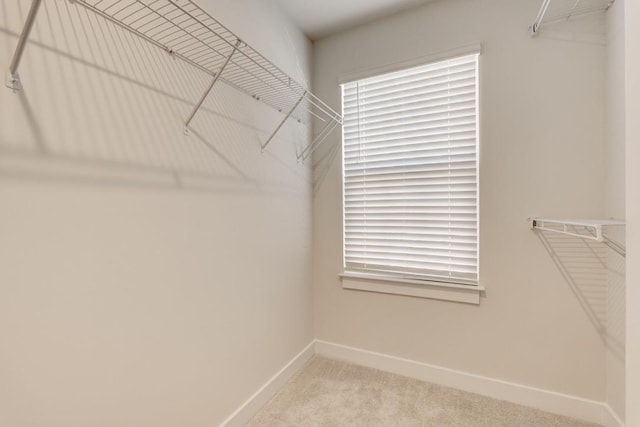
pixel 411 173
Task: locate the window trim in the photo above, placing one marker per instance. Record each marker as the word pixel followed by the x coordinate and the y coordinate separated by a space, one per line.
pixel 395 284
pixel 384 284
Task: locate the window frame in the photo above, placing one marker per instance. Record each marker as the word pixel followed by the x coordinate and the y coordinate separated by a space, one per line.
pixel 394 283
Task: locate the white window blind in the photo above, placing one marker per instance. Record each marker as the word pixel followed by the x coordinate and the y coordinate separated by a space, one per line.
pixel 411 173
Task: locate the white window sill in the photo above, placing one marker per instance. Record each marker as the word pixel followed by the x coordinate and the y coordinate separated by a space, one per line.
pixel 416 288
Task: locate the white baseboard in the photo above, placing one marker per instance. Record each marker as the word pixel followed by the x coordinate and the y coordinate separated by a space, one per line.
pixel 611 418
pixel 550 401
pixel 250 408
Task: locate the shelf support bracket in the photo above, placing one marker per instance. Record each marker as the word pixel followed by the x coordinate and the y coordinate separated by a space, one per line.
pixel 264 146
pixel 13 79
pixel 213 82
pixel 324 133
pixel 543 10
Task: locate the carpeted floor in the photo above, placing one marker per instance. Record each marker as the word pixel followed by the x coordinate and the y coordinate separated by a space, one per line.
pixel 332 393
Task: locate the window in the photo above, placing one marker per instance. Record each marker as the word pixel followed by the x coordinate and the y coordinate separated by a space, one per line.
pixel 410 160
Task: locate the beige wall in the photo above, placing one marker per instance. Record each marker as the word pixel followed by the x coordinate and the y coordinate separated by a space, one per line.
pixel 542 114
pixel 632 56
pixel 615 204
pixel 146 278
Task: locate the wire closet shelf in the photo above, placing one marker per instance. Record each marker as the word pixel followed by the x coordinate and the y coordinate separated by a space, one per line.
pixel 589 229
pixel 552 11
pixel 186 31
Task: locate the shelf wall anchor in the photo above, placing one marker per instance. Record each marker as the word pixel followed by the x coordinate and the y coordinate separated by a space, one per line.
pixel 264 146
pixel 543 11
pixel 213 82
pixel 13 79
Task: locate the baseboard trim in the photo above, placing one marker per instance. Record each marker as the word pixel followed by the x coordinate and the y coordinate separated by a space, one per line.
pixel 550 401
pixel 611 418
pixel 250 408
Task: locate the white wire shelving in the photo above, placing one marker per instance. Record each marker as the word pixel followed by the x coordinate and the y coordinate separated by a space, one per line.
pixel 590 229
pixel 189 33
pixel 552 11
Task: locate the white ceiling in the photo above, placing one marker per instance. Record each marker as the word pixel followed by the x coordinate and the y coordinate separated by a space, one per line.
pixel 319 18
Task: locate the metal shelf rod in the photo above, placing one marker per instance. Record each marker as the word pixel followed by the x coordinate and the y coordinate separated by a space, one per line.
pixel 213 82
pixel 13 80
pixel 575 13
pixel 543 10
pixel 324 133
pixel 615 246
pixel 283 121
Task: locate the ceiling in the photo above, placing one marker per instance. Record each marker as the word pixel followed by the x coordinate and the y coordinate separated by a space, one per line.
pixel 320 18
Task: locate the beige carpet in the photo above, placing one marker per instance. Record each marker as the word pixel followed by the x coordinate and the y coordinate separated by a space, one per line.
pixel 332 393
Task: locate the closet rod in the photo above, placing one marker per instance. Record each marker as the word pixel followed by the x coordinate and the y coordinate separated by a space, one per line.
pixel 13 79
